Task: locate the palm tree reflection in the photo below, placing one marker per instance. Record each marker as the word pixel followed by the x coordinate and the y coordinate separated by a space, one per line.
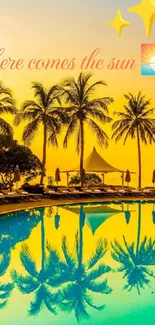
pixel 12 231
pixel 135 259
pixel 5 289
pixel 63 283
pixel 80 278
pixel 39 281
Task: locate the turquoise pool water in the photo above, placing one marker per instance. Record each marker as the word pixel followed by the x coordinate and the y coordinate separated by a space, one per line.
pixel 92 264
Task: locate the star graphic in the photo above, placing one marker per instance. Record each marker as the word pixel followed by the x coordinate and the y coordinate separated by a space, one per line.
pixel 118 23
pixel 146 10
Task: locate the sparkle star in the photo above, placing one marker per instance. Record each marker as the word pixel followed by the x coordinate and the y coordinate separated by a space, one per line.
pixel 118 23
pixel 146 10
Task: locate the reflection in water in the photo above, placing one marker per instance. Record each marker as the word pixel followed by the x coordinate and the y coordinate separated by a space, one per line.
pixel 13 230
pixel 82 278
pixel 78 281
pixel 54 273
pixel 5 289
pixel 95 215
pixel 153 215
pixel 39 282
pixel 57 219
pixel 135 259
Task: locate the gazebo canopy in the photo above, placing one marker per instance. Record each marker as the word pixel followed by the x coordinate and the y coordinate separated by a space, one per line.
pixel 95 163
pixel 95 215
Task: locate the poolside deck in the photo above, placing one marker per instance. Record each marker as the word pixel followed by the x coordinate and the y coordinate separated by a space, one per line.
pixel 45 202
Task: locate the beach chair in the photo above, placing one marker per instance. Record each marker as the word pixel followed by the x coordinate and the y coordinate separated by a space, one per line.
pixel 49 191
pixel 98 192
pixel 75 192
pixel 137 193
pixel 149 192
pixel 112 193
pixel 26 196
pixel 3 199
pixel 87 192
pixel 11 196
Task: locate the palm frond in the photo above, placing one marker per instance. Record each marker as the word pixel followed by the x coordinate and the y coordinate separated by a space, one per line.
pixel 28 262
pixel 4 263
pixel 53 94
pixel 101 287
pixel 40 92
pixel 30 131
pixel 3 304
pixel 52 262
pixel 100 134
pixel 5 109
pixel 37 303
pixel 100 251
pixel 97 114
pixel 99 271
pixel 100 103
pixel 5 128
pixel 27 115
pixel 26 284
pixel 5 90
pixel 91 89
pixel 88 300
pixel 53 139
pixel 49 306
pixel 71 129
pixel 31 105
pixel 69 259
pixel 80 312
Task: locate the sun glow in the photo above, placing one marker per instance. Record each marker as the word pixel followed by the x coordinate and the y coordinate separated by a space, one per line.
pixel 148 53
pixel 152 59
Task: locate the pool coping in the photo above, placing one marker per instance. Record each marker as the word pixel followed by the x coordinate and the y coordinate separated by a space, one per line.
pixel 49 202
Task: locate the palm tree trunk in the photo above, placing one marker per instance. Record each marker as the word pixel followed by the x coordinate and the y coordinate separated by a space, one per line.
pixel 139 229
pixel 44 155
pixel 42 243
pixel 82 151
pixel 139 159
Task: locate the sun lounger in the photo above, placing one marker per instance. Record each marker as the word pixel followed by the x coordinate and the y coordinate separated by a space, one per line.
pixel 3 199
pixel 74 190
pixel 49 191
pixel 17 197
pixel 137 193
pixel 11 196
pixel 20 191
pixel 149 193
pixel 6 192
pixel 87 190
pixel 26 196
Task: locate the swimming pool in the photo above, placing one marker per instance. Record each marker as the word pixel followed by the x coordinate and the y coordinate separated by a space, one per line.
pixel 92 264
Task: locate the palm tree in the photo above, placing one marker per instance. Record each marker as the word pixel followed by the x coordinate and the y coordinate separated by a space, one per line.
pixel 5 289
pixel 135 123
pixel 82 110
pixel 38 281
pixel 46 112
pixel 79 279
pixel 135 259
pixel 7 105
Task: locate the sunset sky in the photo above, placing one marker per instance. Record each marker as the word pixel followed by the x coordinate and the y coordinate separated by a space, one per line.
pixel 67 29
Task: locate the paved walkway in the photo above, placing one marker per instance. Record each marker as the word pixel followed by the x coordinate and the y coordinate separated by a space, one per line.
pixel 6 208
